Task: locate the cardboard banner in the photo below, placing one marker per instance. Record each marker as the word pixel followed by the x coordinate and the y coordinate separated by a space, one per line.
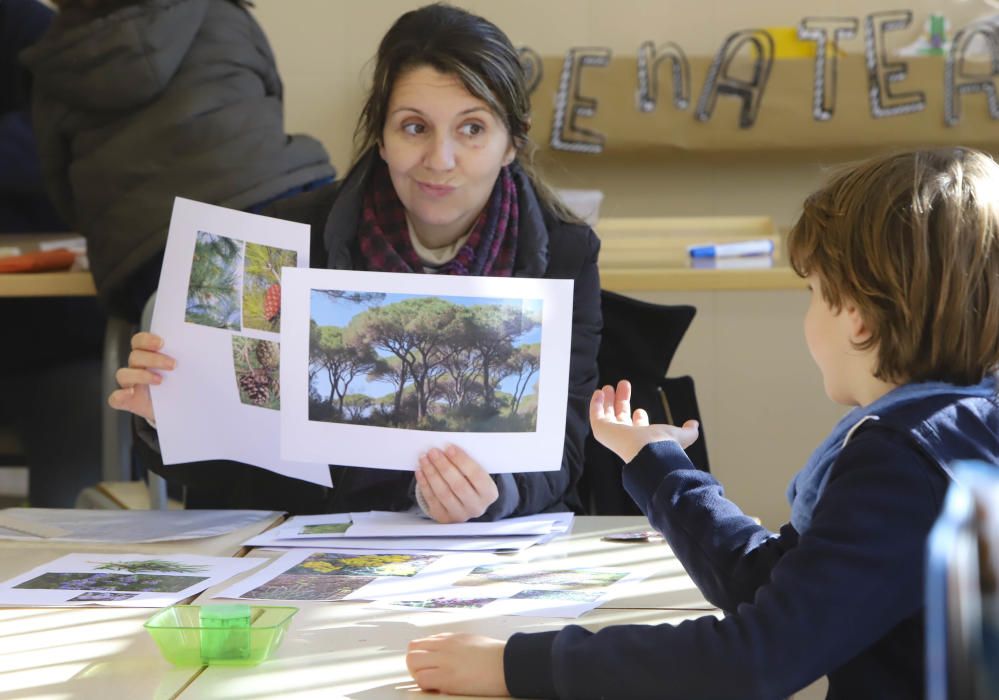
pixel 746 98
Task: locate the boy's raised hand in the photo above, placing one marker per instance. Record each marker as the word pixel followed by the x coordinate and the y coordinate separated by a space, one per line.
pixel 624 432
pixel 144 363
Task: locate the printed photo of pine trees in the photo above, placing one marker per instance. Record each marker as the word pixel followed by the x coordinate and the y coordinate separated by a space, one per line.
pixel 236 285
pixel 458 364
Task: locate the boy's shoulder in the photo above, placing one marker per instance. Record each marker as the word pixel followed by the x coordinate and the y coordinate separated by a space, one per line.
pixel 945 427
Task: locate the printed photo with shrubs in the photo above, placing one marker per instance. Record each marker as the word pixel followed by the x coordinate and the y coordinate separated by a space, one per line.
pixel 442 363
pixel 139 583
pixel 104 596
pixel 215 289
pixel 306 587
pixel 262 286
pixel 445 603
pixel 324 529
pixel 255 363
pixel 364 564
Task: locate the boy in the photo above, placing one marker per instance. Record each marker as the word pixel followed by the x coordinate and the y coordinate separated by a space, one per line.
pixel 901 255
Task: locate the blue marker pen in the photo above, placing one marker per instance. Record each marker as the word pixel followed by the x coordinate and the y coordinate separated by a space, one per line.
pixel 763 246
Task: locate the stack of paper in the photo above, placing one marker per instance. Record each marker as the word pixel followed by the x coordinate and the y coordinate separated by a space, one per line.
pixel 408 532
pixel 123 526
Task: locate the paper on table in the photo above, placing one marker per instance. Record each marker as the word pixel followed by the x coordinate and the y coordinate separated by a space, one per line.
pixel 407 525
pixel 501 313
pixel 335 575
pixel 512 543
pixel 128 526
pixel 129 580
pixel 221 400
pixel 414 524
pixel 510 589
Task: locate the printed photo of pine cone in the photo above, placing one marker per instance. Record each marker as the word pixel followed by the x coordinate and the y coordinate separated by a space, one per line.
pixel 255 363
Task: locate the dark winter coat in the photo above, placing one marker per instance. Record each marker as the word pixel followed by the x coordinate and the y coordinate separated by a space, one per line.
pixel 24 206
pixel 160 99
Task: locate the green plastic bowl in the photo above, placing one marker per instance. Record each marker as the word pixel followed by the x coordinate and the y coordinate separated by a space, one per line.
pixel 184 641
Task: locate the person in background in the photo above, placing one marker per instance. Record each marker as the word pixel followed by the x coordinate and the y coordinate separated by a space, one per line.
pixel 51 353
pixel 137 102
pixel 443 183
pixel 901 256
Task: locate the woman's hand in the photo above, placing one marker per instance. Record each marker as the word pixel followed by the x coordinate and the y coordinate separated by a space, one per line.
pixel 454 486
pixel 458 664
pixel 135 379
pixel 626 433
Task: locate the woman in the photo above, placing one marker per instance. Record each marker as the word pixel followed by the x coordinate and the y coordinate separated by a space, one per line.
pixel 443 183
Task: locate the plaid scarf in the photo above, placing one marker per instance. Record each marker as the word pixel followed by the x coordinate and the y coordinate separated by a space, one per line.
pixel 385 246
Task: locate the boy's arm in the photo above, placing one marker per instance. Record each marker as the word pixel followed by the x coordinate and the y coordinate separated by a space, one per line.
pixel 852 579
pixel 727 554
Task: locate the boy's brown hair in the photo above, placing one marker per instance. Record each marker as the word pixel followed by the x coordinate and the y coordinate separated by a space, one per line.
pixel 912 239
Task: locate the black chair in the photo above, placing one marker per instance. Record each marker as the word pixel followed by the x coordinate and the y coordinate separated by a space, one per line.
pixel 638 343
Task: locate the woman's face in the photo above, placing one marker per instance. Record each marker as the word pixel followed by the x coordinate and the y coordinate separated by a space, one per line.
pixel 444 149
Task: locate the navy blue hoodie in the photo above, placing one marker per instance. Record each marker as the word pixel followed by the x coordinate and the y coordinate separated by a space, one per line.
pixel 845 599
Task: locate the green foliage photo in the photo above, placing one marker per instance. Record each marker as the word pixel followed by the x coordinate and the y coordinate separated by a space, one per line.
pixel 214 290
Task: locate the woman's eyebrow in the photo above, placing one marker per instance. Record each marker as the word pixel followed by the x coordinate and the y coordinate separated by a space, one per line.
pixel 470 110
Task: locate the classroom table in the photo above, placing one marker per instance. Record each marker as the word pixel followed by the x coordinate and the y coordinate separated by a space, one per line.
pixel 341 649
pixel 59 653
pixel 68 283
pixel 348 650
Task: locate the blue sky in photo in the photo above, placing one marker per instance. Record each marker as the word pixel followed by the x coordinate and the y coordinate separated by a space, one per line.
pixel 339 312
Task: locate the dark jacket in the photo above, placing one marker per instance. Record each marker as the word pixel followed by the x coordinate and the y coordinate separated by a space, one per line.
pixel 546 247
pixel 160 99
pixel 844 600
pixel 24 206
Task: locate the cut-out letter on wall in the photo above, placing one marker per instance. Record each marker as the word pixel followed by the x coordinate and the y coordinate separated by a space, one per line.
pixel 533 67
pixel 881 74
pixel 956 67
pixel 817 29
pixel 720 81
pixel 650 58
pixel 567 134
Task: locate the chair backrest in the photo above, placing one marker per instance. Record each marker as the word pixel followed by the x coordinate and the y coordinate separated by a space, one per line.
pixel 962 600
pixel 638 342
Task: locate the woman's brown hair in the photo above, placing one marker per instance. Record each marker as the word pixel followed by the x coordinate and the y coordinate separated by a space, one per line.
pixel 912 239
pixel 473 49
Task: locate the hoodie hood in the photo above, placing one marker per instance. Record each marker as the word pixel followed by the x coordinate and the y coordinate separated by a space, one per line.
pixel 140 46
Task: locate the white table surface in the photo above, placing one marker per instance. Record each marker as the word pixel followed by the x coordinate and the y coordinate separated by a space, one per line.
pixel 347 650
pixel 103 653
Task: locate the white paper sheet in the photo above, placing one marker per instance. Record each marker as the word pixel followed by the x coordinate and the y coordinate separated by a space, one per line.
pixel 125 526
pixel 513 543
pixel 202 407
pixel 541 591
pixel 388 524
pixel 358 436
pixel 129 580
